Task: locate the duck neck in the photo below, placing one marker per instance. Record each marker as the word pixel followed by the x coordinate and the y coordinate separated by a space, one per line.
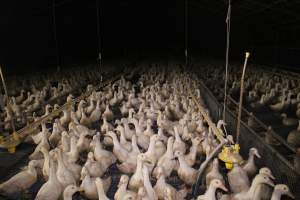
pixel 122 136
pixel 100 190
pixel 177 137
pixel 74 149
pixel 182 162
pixel 67 196
pixel 61 165
pixel 151 146
pixel 149 129
pixel 137 127
pixel 115 141
pixel 276 195
pixel 81 139
pixel 253 188
pixel 211 193
pixel 150 192
pixel 52 173
pixel 134 145
pixel 169 152
pixel 161 180
pixel 98 146
pixel 31 170
pixel 251 159
pixel 46 157
pixel 193 150
pixel 139 166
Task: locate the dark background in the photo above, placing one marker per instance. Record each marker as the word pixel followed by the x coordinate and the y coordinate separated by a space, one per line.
pixel 269 29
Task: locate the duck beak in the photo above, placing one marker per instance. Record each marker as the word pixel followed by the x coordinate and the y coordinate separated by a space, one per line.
pixel 270 183
pixel 223 188
pixel 272 177
pixel 257 154
pixel 290 195
pixel 80 189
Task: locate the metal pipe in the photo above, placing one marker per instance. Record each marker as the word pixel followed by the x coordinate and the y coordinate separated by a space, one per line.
pixel 241 98
pixel 7 99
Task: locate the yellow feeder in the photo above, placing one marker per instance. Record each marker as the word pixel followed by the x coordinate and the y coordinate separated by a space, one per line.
pixel 10 143
pixel 230 154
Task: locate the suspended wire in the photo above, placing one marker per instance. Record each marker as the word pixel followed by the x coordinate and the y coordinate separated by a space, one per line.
pixel 186 32
pixel 227 59
pixel 98 33
pixel 55 36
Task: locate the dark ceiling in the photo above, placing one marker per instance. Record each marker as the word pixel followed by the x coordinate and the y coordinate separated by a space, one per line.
pixel 268 28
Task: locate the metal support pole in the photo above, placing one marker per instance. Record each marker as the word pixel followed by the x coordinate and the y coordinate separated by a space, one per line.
pixel 7 99
pixel 186 33
pixel 241 99
pixel 99 34
pixel 227 58
pixel 55 37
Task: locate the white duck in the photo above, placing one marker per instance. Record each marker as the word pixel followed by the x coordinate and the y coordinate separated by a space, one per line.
pixel 64 176
pixel 21 181
pixel 186 173
pixel 136 180
pixel 96 114
pixel 149 193
pixel 179 145
pixel 210 193
pixel 108 113
pixel 280 190
pixel 88 186
pixel 100 189
pixel 46 192
pixel 238 179
pixel 106 158
pixel 129 166
pixel 43 143
pixel 122 192
pixel 93 166
pixel 249 166
pixel 214 173
pixel 167 162
pixel 161 186
pixel 69 191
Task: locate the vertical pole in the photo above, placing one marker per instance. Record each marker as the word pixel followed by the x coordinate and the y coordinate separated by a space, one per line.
pixel 55 36
pixel 98 34
pixel 186 33
pixel 7 99
pixel 241 99
pixel 227 58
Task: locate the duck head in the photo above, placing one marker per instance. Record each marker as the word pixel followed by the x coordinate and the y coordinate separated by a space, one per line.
pixel 197 140
pixel 70 190
pixel 218 184
pixel 123 180
pixel 283 115
pixel 267 172
pixel 254 151
pixel 263 179
pixel 284 190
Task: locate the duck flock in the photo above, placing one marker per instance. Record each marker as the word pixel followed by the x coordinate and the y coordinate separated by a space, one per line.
pixel 272 97
pixel 140 139
pixel 28 94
